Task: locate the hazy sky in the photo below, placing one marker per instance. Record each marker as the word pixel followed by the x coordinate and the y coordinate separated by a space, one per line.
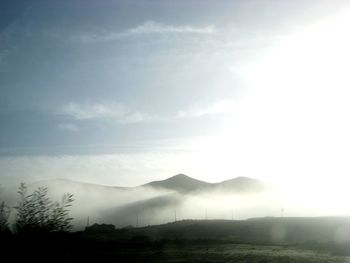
pixel 123 92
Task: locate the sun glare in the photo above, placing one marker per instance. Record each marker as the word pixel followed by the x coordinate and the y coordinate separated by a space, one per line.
pixel 294 120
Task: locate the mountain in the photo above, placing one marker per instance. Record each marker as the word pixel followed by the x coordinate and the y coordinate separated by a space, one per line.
pixel 183 184
pixel 180 183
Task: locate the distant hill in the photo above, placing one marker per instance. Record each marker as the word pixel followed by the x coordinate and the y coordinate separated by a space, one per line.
pixel 178 192
pixel 183 183
pixel 180 183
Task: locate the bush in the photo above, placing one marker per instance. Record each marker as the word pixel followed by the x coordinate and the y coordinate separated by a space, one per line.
pixel 4 216
pixel 36 213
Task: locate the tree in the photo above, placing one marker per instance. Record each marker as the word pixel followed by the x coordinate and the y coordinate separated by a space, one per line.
pixel 36 213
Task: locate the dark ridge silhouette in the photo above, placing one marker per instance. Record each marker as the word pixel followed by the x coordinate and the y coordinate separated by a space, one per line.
pixel 183 183
pixel 180 183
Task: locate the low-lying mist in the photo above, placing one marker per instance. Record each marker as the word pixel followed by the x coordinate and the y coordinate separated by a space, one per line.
pixel 147 205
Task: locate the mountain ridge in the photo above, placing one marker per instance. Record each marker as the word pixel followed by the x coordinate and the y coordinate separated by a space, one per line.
pixel 184 183
pixel 177 182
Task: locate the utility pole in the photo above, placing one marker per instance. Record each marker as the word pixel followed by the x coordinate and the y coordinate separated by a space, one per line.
pixel 88 222
pixel 137 220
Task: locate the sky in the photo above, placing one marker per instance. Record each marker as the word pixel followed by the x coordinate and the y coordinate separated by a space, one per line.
pixel 125 92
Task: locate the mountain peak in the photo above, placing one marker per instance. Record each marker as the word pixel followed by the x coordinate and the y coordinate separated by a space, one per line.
pixel 179 182
pixel 183 183
pixel 181 177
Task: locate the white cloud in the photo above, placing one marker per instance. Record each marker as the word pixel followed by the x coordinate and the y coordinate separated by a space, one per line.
pixel 118 113
pixel 87 111
pixel 149 27
pixel 219 107
pixel 72 127
pixel 111 111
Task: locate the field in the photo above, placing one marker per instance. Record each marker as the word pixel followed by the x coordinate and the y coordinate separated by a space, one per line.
pixel 304 240
pixel 237 253
pixel 255 240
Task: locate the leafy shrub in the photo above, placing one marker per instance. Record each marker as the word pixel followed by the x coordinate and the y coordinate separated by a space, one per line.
pixel 4 216
pixel 36 213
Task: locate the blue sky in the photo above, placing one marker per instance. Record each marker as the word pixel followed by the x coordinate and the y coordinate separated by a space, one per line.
pixel 138 81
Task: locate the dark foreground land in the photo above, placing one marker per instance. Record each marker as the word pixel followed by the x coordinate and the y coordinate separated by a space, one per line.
pixel 225 253
pixel 255 240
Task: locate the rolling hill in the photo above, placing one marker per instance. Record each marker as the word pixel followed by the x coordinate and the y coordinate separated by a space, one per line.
pixel 184 184
pixel 180 183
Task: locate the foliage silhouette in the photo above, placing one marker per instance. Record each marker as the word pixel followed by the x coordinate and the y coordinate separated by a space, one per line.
pixel 36 213
pixel 4 216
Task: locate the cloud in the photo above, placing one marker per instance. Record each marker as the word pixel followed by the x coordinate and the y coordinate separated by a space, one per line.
pixel 91 111
pixel 219 107
pixel 148 27
pixel 151 27
pixel 118 113
pixel 111 111
pixel 72 127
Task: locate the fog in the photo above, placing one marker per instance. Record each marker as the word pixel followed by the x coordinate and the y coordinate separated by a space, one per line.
pixel 146 205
